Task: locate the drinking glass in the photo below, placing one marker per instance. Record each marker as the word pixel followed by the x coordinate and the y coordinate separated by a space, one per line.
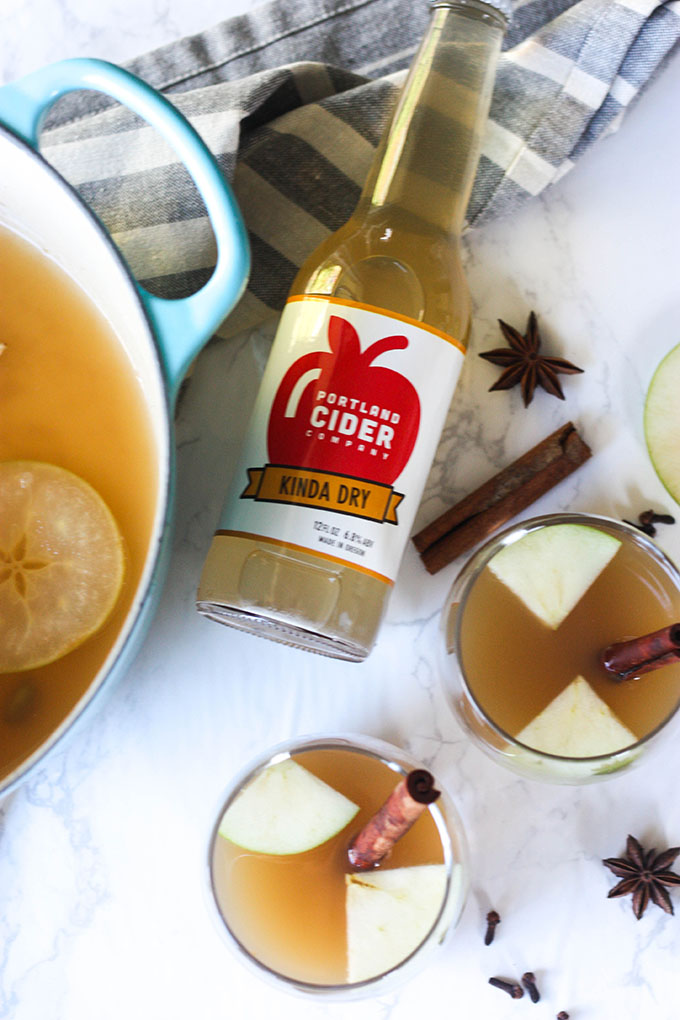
pixel 450 834
pixel 654 577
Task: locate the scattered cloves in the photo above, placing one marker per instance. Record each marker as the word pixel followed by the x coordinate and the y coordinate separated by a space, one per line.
pixel 492 919
pixel 514 990
pixel 647 519
pixel 529 982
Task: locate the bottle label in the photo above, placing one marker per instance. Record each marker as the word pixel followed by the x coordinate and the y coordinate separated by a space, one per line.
pixel 344 430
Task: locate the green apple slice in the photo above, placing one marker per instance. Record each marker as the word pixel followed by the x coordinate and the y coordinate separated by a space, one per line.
pixel 389 913
pixel 285 810
pixel 662 422
pixel 551 569
pixel 577 724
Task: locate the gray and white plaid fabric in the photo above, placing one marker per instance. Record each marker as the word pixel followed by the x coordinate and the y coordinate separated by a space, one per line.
pixel 292 97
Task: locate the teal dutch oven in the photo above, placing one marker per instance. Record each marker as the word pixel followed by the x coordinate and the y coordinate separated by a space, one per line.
pixel 161 337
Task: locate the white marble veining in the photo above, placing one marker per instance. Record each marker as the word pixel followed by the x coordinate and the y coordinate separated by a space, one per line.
pixel 102 852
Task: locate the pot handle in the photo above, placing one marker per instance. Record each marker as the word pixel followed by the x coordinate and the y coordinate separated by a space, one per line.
pixel 183 325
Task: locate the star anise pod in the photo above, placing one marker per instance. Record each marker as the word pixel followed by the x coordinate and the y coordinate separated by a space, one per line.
pixel 644 873
pixel 523 364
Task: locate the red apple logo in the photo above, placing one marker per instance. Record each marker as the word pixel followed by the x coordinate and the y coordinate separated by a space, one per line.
pixel 336 411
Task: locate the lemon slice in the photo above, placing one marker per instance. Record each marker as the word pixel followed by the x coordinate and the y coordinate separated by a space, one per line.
pixel 61 563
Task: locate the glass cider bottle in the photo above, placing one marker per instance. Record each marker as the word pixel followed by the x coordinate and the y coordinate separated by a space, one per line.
pixel 362 370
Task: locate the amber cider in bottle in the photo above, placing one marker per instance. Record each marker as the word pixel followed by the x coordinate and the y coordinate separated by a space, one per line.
pixel 362 371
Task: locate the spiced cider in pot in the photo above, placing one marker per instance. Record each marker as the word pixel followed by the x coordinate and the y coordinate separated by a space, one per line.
pixel 70 400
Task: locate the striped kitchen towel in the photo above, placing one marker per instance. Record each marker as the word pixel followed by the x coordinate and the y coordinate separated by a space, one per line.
pixel 292 97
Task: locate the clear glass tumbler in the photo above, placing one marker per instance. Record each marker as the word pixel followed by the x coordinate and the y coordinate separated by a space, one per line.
pixel 241 894
pixel 501 666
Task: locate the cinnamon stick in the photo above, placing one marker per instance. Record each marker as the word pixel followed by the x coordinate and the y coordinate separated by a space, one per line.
pixel 501 498
pixel 627 659
pixel 402 808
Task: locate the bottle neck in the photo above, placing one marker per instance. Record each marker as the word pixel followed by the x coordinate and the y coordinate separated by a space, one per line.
pixel 427 158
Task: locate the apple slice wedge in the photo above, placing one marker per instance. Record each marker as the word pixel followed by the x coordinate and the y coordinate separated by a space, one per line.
pixel 389 913
pixel 552 568
pixel 285 810
pixel 662 422
pixel 577 724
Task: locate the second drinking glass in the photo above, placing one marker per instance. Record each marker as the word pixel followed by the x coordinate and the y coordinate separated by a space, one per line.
pixel 560 647
pixel 310 887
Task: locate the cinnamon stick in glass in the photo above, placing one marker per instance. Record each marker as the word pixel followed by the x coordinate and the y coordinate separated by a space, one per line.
pixel 501 498
pixel 402 808
pixel 628 659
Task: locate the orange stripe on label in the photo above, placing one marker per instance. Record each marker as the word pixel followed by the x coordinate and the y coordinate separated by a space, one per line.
pixel 345 302
pixel 250 537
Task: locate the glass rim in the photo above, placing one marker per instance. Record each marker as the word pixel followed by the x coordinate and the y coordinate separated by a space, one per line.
pixel 383 751
pixel 479 560
pixel 497 11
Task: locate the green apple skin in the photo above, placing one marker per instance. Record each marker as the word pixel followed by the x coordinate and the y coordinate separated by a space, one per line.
pixel 286 810
pixel 577 724
pixel 550 569
pixel 389 914
pixel 662 422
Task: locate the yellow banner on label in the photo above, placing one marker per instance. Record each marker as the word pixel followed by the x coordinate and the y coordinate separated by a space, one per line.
pixel 323 490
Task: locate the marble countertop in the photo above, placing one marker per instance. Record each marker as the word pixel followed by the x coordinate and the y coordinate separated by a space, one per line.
pixel 102 850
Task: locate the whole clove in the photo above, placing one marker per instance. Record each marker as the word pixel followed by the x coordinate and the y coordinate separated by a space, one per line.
pixel 20 703
pixel 492 919
pixel 514 990
pixel 529 982
pixel 562 1015
pixel 647 519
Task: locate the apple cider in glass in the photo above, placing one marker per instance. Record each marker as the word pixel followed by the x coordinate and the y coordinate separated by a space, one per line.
pixel 525 629
pixel 286 892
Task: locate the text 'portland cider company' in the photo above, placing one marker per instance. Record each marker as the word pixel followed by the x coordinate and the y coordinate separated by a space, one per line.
pixel 362 370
